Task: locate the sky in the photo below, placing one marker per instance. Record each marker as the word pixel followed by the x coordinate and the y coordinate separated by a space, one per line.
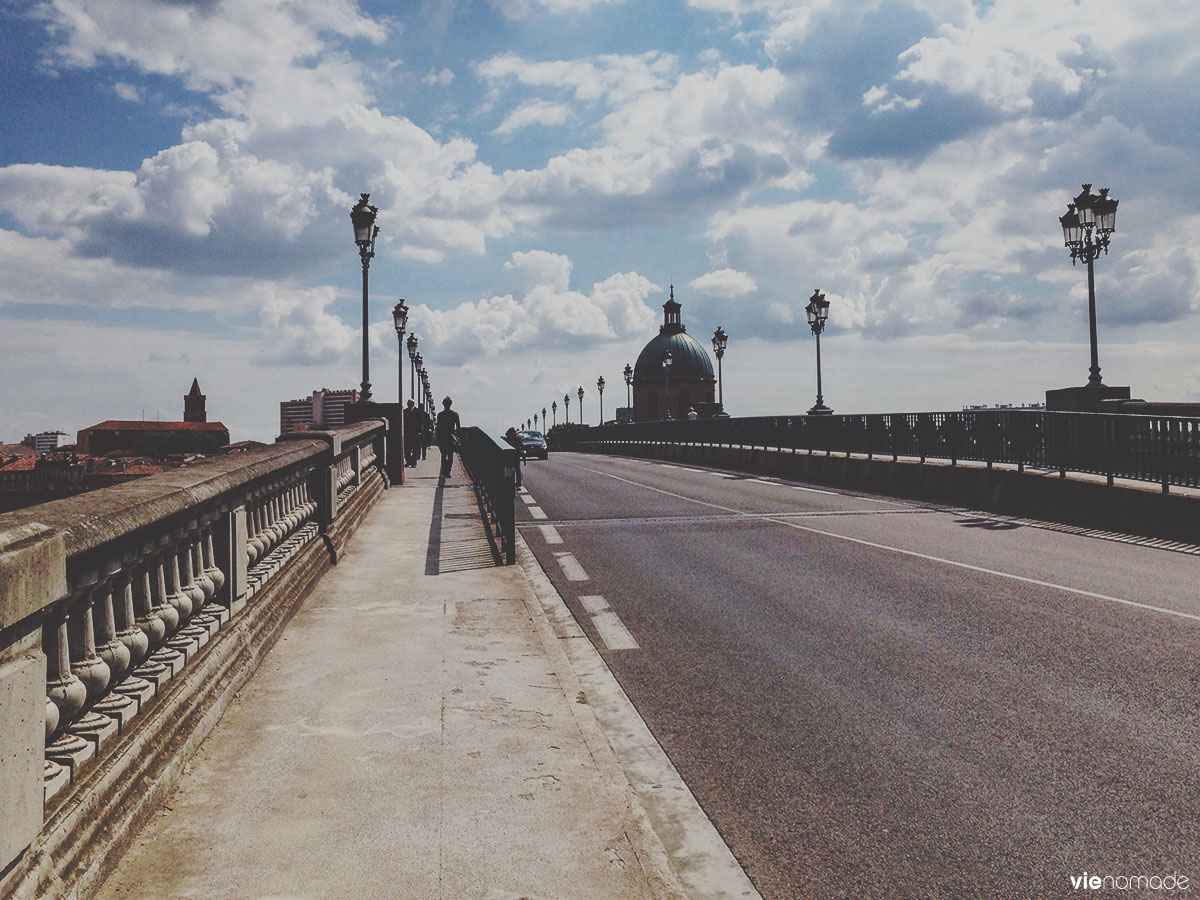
pixel 176 178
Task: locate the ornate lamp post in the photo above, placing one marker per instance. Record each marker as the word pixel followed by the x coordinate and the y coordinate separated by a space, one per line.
pixel 600 388
pixel 362 217
pixel 818 312
pixel 666 364
pixel 412 360
pixel 544 426
pixel 628 373
pixel 423 395
pixel 1090 219
pixel 567 408
pixel 581 404
pixel 720 341
pixel 400 320
pixel 554 409
pixel 417 360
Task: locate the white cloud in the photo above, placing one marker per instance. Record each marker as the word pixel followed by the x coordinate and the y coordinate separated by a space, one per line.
pixel 536 112
pixel 533 307
pixel 523 9
pixel 724 283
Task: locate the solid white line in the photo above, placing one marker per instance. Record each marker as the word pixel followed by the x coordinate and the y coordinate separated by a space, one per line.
pixel 571 567
pixel 593 603
pixel 808 490
pixel 549 532
pixel 613 632
pixel 1011 577
pixel 538 513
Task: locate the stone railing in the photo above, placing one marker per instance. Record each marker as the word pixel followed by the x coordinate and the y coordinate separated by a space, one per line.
pixel 132 612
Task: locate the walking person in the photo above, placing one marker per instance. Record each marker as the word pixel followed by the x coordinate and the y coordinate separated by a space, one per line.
pixel 447 435
pixel 414 430
pixel 515 443
pixel 426 431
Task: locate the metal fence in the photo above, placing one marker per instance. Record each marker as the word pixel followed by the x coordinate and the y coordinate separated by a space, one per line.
pixel 493 468
pixel 1161 449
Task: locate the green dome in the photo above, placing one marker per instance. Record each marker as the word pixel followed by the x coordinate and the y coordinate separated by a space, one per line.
pixel 688 358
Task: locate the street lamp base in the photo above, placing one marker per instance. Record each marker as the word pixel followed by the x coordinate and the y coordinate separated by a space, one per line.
pixel 820 410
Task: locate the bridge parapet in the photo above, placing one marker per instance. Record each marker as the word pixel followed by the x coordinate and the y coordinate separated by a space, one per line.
pixel 112 607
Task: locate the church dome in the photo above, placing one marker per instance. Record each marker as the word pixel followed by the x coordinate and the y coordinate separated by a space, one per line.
pixel 689 359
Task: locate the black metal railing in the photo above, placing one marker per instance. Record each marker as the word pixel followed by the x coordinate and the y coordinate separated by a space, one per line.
pixel 1161 449
pixel 493 468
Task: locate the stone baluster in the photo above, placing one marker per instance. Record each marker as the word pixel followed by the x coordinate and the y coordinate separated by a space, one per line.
pixel 149 615
pixel 132 635
pixel 164 605
pixel 64 690
pixel 255 544
pixel 86 662
pixel 178 597
pixel 110 617
pixel 114 653
pixel 209 559
pixel 66 696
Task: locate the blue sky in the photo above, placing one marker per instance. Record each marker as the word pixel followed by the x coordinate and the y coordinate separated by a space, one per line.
pixel 175 178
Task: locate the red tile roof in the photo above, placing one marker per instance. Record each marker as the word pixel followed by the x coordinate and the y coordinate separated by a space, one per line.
pixel 23 464
pixel 135 425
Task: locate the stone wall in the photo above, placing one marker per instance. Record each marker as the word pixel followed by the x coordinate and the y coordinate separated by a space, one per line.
pixel 131 615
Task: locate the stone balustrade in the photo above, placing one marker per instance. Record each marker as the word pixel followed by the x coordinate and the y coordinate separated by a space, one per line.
pixel 108 601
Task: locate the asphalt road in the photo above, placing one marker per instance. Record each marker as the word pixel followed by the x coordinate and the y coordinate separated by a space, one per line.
pixel 881 699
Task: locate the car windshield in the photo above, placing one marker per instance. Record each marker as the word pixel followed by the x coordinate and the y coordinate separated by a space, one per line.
pixel 529 435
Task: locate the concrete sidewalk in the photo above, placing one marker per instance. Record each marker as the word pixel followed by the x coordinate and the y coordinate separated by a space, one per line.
pixel 417 732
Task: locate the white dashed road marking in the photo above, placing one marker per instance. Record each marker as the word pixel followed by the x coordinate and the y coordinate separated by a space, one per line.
pixel 538 513
pixel 608 624
pixel 550 533
pixel 613 632
pixel 571 567
pixel 528 498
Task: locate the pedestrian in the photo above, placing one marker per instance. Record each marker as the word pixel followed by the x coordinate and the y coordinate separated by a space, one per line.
pixel 414 427
pixel 515 443
pixel 447 435
pixel 426 431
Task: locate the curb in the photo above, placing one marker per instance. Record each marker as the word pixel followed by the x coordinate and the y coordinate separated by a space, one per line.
pixel 699 856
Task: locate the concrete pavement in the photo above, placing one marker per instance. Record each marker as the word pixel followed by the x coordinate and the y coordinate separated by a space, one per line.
pixel 417 732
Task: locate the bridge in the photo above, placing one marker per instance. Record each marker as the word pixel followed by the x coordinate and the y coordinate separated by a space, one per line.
pixel 731 658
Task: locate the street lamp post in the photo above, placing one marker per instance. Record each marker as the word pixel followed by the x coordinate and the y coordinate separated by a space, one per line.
pixel 412 361
pixel 818 312
pixel 666 364
pixel 544 426
pixel 581 404
pixel 400 320
pixel 567 408
pixel 720 341
pixel 628 373
pixel 600 388
pixel 1090 219
pixel 554 410
pixel 362 217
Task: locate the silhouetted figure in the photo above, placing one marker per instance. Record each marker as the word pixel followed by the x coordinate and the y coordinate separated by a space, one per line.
pixel 447 435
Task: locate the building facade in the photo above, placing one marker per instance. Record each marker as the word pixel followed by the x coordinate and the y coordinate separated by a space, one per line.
pixel 690 383
pixel 324 409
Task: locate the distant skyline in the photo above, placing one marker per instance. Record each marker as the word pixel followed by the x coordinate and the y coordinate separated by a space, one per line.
pixel 176 178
